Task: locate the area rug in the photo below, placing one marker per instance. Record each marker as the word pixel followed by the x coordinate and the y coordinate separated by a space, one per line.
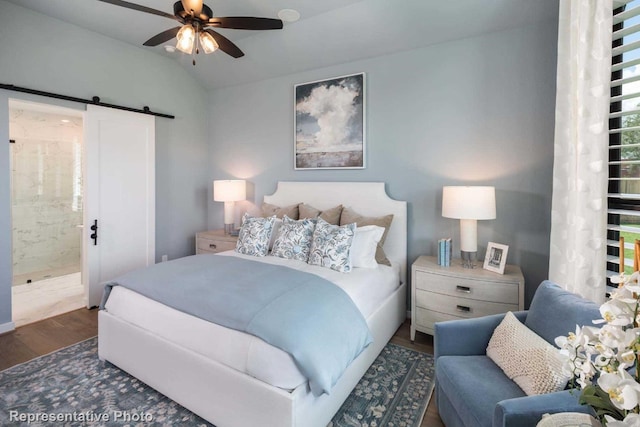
pixel 71 387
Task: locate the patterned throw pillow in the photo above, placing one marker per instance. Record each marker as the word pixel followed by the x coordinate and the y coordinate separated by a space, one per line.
pixel 294 239
pixel 331 245
pixel 526 358
pixel 254 235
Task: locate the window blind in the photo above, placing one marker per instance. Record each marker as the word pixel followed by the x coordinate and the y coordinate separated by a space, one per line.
pixel 623 214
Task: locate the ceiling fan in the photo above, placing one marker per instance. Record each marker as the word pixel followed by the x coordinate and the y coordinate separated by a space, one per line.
pixel 196 32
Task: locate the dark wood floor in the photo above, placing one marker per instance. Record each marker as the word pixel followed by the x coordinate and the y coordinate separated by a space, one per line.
pixel 46 336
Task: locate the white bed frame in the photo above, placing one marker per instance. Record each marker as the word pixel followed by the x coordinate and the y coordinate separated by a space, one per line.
pixel 229 398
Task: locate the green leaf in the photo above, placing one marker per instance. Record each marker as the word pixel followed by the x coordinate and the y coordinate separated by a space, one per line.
pixel 599 400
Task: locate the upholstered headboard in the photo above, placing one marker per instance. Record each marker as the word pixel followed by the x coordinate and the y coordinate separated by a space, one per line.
pixel 366 198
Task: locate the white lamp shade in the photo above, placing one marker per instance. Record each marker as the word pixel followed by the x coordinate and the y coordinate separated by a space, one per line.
pixel 475 202
pixel 229 190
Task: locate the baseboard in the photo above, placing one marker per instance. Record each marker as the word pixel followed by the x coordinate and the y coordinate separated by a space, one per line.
pixel 7 327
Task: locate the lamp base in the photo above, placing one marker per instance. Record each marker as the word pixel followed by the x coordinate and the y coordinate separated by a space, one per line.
pixel 229 228
pixel 468 259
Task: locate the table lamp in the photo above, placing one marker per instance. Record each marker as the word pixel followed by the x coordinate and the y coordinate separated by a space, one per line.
pixel 469 204
pixel 229 191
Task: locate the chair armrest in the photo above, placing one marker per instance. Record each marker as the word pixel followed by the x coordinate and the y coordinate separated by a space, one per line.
pixel 467 337
pixel 528 411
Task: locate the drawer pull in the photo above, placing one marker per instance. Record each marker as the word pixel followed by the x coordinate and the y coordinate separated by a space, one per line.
pixel 213 246
pixel 463 289
pixel 463 308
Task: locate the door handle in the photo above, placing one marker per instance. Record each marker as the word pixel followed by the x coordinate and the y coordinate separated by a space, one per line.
pixel 94 235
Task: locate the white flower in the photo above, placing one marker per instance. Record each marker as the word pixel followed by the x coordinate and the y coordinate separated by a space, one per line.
pixel 623 390
pixel 607 352
pixel 626 358
pixel 612 336
pixel 615 312
pixel 586 374
pixel 570 341
pixel 631 283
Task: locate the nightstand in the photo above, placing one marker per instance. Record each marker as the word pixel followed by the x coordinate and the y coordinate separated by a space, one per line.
pixel 211 242
pixel 447 293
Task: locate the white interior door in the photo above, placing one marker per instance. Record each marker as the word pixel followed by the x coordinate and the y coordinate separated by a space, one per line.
pixel 119 195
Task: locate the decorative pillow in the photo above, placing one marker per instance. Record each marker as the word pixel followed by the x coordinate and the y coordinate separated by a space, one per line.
pixel 294 239
pixel 364 246
pixel 254 235
pixel 526 358
pixel 555 311
pixel 348 216
pixel 332 216
pixel 270 210
pixel 331 246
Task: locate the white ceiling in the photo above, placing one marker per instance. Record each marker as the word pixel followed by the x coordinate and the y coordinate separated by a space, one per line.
pixel 329 32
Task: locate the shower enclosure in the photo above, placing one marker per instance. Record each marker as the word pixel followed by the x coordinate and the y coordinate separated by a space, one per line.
pixel 46 159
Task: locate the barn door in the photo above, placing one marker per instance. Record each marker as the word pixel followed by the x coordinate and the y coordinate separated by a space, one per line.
pixel 119 211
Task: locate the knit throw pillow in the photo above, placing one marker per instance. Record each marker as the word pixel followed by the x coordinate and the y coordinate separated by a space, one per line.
pixel 526 358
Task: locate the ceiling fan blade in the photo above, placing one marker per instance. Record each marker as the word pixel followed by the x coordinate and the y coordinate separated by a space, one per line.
pixel 162 37
pixel 195 5
pixel 225 45
pixel 139 8
pixel 246 23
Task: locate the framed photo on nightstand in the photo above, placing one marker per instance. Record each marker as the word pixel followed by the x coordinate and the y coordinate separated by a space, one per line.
pixel 495 259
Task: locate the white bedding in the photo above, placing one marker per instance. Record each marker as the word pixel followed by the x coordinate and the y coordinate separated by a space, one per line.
pixel 368 288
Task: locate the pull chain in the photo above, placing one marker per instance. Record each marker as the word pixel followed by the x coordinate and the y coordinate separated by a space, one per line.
pixel 196 50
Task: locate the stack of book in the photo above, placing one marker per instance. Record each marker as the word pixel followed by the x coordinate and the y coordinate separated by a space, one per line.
pixel 444 252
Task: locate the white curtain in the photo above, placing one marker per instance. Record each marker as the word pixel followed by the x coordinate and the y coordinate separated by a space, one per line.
pixel 580 170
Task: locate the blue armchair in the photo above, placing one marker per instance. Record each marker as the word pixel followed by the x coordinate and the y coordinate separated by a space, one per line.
pixel 472 391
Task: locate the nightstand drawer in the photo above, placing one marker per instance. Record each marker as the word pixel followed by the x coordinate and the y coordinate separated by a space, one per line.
pixel 426 318
pixel 460 307
pixel 476 289
pixel 208 245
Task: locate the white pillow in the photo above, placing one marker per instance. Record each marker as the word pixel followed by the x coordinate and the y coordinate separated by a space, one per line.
pixel 364 246
pixel 526 358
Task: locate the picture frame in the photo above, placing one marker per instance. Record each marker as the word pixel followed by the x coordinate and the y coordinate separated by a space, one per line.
pixel 495 259
pixel 329 123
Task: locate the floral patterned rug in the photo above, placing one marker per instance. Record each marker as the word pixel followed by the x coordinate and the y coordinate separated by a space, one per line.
pixel 71 387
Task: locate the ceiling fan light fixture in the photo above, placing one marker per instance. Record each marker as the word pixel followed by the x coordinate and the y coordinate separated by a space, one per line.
pixel 194 18
pixel 186 37
pixel 208 43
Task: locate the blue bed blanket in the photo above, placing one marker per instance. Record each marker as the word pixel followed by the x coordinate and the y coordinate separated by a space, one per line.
pixel 303 314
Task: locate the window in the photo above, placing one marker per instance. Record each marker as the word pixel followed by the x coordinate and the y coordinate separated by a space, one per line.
pixel 624 137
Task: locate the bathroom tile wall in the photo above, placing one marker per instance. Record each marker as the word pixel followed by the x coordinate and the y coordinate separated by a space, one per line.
pixel 46 161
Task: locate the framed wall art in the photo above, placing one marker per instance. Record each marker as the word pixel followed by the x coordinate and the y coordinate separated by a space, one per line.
pixel 495 258
pixel 329 123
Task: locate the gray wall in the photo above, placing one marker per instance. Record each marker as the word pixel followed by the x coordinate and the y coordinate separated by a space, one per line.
pixel 474 111
pixel 76 62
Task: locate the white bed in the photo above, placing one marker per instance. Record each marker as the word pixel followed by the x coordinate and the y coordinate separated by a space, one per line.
pixel 258 388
